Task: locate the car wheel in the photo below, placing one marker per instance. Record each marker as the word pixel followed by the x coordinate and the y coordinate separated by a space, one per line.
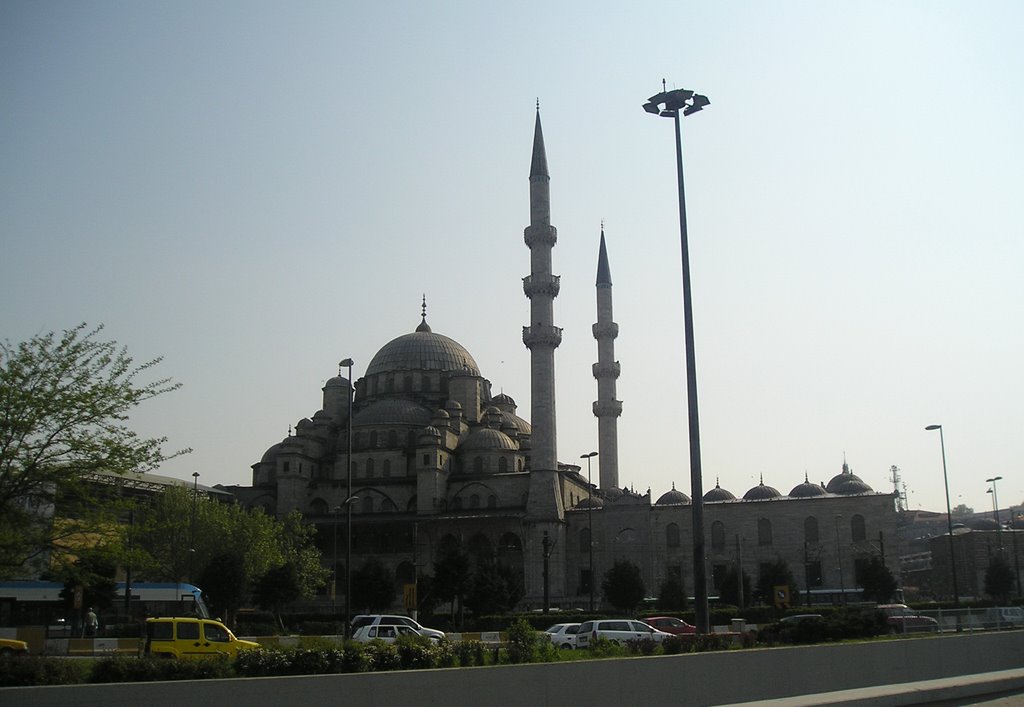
pixel 566 646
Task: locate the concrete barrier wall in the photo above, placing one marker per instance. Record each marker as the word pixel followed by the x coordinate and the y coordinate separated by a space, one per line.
pixel 693 679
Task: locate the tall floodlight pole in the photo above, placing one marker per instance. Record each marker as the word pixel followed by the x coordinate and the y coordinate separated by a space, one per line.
pixel 334 569
pixel 669 104
pixel 590 527
pixel 348 505
pixel 995 507
pixel 949 513
pixel 192 534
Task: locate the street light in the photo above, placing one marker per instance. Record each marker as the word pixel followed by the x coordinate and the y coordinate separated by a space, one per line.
pixel 334 570
pixel 949 513
pixel 995 507
pixel 590 527
pixel 192 534
pixel 669 104
pixel 348 504
pixel 839 562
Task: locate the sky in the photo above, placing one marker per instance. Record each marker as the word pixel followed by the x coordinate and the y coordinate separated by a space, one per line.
pixel 257 190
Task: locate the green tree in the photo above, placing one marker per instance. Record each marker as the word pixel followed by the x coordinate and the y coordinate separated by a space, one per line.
pixel 623 586
pixel 92 574
pixel 64 405
pixel 999 579
pixel 672 595
pixel 277 587
pixel 452 578
pixel 495 589
pixel 373 586
pixel 728 590
pixel 773 574
pixel 225 585
pixel 878 582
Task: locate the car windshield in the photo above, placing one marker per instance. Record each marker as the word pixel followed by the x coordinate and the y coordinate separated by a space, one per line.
pixel 554 629
pixel 572 629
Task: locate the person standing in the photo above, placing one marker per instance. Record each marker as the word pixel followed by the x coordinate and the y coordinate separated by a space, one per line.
pixel 92 623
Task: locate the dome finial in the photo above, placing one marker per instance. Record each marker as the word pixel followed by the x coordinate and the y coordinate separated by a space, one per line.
pixel 762 479
pixel 423 314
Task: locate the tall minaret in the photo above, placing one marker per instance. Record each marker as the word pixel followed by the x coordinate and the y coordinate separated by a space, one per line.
pixel 606 408
pixel 542 337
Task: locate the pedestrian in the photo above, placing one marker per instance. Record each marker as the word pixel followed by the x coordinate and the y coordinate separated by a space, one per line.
pixel 92 623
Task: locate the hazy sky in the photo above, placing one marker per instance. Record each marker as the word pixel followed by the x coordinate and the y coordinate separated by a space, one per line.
pixel 257 190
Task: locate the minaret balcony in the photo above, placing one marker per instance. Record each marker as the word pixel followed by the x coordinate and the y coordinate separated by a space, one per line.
pixel 606 370
pixel 607 408
pixel 542 336
pixel 541 285
pixel 541 234
pixel 605 330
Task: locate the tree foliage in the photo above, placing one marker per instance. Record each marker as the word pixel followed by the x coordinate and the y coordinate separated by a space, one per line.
pixel 623 586
pixel 672 595
pixel 496 589
pixel 999 579
pixel 277 587
pixel 771 575
pixel 64 406
pixel 728 590
pixel 878 582
pixel 373 586
pixel 453 578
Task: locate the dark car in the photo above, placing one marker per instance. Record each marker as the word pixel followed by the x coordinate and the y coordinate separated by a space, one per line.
pixel 670 624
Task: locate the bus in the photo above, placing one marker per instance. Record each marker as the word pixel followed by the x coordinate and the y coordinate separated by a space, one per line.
pixel 39 603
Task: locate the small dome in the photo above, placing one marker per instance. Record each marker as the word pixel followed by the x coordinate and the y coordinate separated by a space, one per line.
pixel 488 439
pixel 504 402
pixel 761 492
pixel 673 497
pixel 271 454
pixel 303 424
pixel 430 432
pixel 590 502
pixel 807 490
pixel 442 415
pixel 718 494
pixel 846 483
pixel 337 382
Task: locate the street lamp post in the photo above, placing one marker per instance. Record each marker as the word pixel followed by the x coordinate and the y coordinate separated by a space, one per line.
pixel 669 104
pixel 334 568
pixel 995 507
pixel 348 505
pixel 192 533
pixel 949 513
pixel 590 527
pixel 839 562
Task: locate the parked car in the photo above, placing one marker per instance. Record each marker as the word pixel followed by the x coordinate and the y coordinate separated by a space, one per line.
pixel 617 631
pixel 11 646
pixel 384 632
pixel 562 635
pixel 394 620
pixel 1005 616
pixel 181 637
pixel 670 624
pixel 799 618
pixel 900 618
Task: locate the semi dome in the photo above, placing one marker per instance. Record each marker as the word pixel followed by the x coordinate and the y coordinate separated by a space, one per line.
pixel 718 494
pixel 422 350
pixel 392 412
pixel 672 497
pixel 982 524
pixel 807 490
pixel 761 492
pixel 488 439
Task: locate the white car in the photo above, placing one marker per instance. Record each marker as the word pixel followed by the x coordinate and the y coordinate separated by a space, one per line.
pixel 394 620
pixel 617 631
pixel 562 635
pixel 386 633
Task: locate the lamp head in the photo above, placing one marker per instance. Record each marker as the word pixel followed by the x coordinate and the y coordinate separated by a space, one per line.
pixel 347 363
pixel 933 427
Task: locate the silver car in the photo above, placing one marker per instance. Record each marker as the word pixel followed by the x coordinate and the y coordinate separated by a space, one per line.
pixel 562 635
pixel 617 631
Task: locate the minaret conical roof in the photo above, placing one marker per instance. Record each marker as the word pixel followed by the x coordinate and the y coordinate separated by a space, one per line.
pixel 539 164
pixel 604 273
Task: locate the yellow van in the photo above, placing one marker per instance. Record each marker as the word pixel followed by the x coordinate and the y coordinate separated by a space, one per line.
pixel 181 637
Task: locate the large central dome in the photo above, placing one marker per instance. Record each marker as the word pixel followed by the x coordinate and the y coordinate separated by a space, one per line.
pixel 422 350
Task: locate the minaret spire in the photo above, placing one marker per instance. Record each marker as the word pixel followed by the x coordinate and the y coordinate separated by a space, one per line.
pixel 542 337
pixel 606 408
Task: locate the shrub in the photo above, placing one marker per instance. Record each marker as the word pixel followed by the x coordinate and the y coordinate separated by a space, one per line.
pixel 643 646
pixel 673 645
pixel 470 653
pixel 522 642
pixel 262 662
pixel 20 671
pixel 415 652
pixel 148 669
pixel 603 648
pixel 382 656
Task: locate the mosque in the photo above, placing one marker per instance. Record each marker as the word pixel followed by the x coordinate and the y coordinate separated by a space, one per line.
pixel 440 463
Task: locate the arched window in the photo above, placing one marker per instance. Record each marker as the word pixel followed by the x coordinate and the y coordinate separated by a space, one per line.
pixel 585 540
pixel 357 440
pixel 811 530
pixel 367 504
pixel 857 529
pixel 520 464
pixel 474 501
pixel 492 501
pixel 411 506
pixel 369 468
pixel 478 465
pixel 318 507
pixel 373 439
pixel 502 465
pixel 387 468
pixel 672 535
pixel 355 468
pixel 457 503
pixel 392 438
pixel 718 536
pixel 388 506
pixel 764 532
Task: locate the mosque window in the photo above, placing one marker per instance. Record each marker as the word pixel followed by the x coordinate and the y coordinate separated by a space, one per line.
pixel 407 384
pixel 357 439
pixel 389 384
pixel 369 468
pixel 287 465
pixel 373 439
pixel 426 460
pixel 474 501
pixel 368 504
pixel 718 537
pixel 392 438
pixel 318 507
pixel 764 532
pixel 355 468
pixel 457 503
pixel 492 501
pixel 502 465
pixel 811 530
pixel 386 468
pixel 857 529
pixel 520 464
pixel 478 465
pixel 672 535
pixel 388 506
pixel 585 540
